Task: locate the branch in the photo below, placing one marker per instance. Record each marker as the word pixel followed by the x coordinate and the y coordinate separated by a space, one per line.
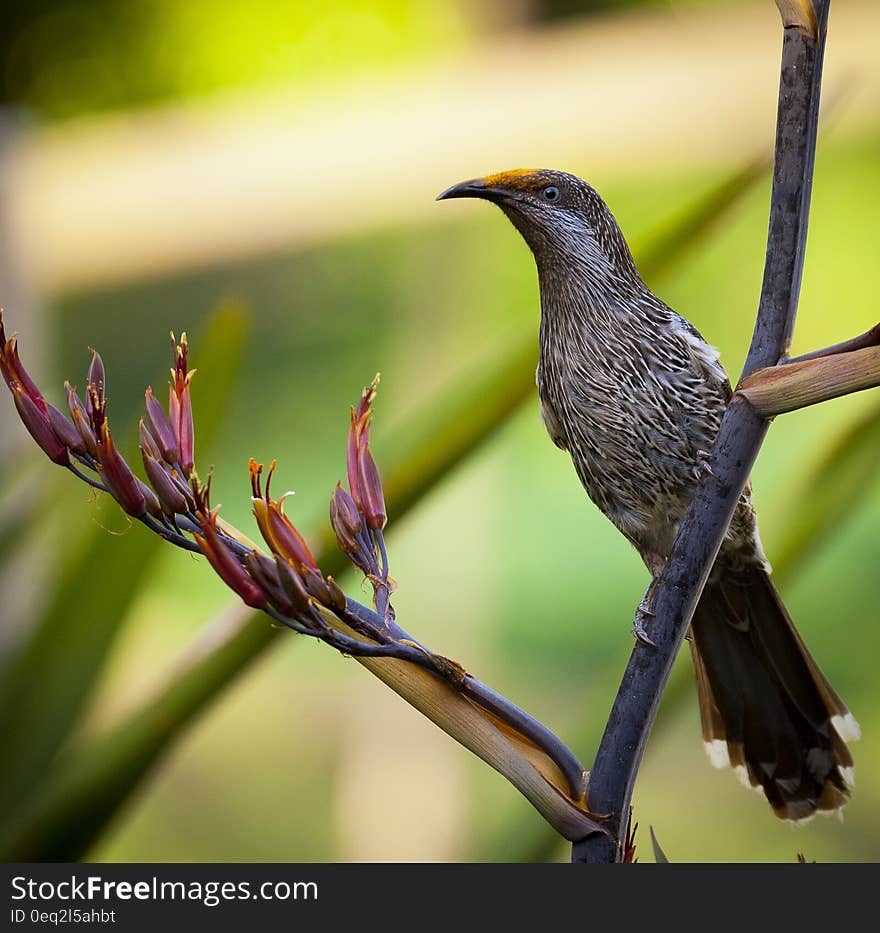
pixel 787 387
pixel 870 338
pixel 742 431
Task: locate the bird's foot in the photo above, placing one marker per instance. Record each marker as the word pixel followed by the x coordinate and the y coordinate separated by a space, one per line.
pixel 702 468
pixel 643 613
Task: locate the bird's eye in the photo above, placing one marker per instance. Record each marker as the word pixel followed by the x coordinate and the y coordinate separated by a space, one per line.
pixel 550 193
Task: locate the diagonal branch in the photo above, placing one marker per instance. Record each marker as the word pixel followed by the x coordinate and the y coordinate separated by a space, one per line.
pixel 870 338
pixel 779 389
pixel 739 438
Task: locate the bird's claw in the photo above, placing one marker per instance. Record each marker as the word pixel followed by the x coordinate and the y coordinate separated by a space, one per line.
pixel 639 632
pixel 702 468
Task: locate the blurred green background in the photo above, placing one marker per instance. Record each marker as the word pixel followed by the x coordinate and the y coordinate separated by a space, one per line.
pixel 261 175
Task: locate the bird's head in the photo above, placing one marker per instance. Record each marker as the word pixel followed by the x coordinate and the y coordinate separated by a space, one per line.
pixel 560 216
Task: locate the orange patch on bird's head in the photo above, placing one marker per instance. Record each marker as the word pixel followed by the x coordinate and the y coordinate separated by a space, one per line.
pixel 518 179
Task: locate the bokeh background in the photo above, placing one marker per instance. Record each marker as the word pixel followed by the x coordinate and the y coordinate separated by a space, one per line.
pixel 262 174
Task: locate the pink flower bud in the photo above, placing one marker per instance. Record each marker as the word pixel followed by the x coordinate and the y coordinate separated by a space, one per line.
pixel 147 442
pixel 95 378
pixel 153 506
pixel 169 493
pixel 39 427
pixel 65 431
pixel 161 429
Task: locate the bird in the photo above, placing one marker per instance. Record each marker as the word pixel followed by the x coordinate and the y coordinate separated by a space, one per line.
pixel 635 395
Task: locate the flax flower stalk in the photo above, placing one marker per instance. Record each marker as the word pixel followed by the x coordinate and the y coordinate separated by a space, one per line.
pixel 287 583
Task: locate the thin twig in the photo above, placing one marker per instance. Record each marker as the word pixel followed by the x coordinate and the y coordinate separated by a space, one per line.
pixel 870 338
pixel 85 478
pixel 173 537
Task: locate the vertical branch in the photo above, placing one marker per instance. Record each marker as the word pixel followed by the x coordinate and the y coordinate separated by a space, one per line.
pixel 739 438
pixel 795 153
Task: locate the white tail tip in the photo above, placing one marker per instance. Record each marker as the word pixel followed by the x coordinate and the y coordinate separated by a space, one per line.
pixel 847 727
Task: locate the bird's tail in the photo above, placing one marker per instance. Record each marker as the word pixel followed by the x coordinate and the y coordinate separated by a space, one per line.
pixel 765 706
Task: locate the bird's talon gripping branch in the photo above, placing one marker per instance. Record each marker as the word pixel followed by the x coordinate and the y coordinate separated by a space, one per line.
pixel 640 633
pixel 703 468
pixel 644 611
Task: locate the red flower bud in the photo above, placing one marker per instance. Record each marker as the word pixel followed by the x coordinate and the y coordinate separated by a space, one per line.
pixel 160 427
pixel 14 373
pixel 121 483
pixel 180 405
pixel 351 461
pixel 39 427
pixel 281 535
pixel 276 528
pixel 371 491
pixel 226 564
pixel 358 438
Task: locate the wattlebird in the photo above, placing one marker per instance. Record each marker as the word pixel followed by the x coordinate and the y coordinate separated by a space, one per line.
pixel 636 395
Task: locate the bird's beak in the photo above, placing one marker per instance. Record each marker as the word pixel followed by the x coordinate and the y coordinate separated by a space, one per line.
pixel 475 188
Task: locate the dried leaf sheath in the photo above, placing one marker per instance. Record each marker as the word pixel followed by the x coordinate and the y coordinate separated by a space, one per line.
pixel 788 387
pixel 525 765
